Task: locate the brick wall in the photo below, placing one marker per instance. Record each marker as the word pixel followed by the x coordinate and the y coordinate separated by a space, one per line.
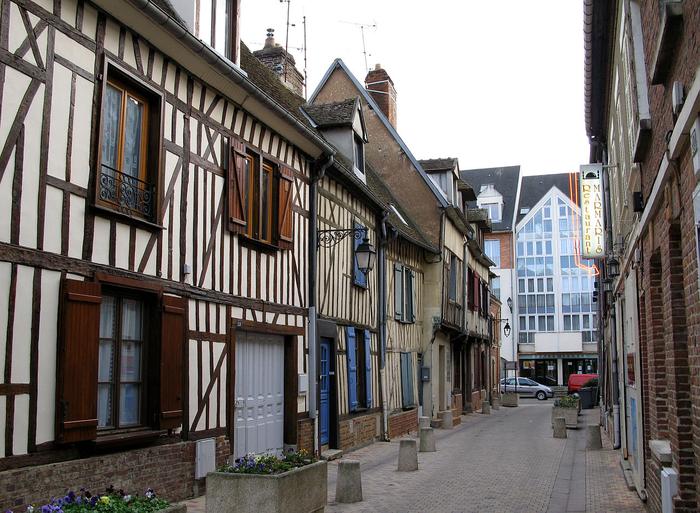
pixel 305 435
pixel 168 469
pixel 670 307
pixel 403 422
pixel 359 431
pixel 506 240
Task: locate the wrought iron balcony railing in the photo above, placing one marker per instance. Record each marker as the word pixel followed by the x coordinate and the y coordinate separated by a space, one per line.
pixel 129 195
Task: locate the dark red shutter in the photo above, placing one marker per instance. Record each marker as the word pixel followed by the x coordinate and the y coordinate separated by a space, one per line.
pixel 285 215
pixel 172 347
pixel 237 180
pixel 78 361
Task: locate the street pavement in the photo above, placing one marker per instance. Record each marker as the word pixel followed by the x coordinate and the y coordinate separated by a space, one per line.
pixel 506 462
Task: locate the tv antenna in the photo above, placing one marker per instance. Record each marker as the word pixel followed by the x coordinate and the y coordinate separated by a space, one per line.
pixel 362 30
pixel 286 38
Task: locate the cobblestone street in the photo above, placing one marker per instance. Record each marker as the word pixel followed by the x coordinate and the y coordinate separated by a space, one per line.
pixel 507 462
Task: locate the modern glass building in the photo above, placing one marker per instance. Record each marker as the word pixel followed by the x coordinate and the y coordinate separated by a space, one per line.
pixel 556 319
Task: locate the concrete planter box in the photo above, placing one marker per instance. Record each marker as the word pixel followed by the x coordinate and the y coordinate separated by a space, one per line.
pixel 302 490
pixel 569 414
pixel 509 399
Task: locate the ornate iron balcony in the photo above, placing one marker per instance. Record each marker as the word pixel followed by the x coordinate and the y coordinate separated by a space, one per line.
pixel 129 195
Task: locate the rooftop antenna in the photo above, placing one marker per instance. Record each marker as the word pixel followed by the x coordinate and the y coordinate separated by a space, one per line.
pixel 362 30
pixel 286 40
pixel 306 78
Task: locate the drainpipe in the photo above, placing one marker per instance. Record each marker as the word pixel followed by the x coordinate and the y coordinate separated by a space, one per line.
pixel 613 316
pixel 381 315
pixel 317 175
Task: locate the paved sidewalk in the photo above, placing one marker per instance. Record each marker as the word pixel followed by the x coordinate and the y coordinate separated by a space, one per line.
pixel 506 462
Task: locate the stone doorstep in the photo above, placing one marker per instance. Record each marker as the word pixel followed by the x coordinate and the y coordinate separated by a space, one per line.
pixel 627 474
pixel 331 454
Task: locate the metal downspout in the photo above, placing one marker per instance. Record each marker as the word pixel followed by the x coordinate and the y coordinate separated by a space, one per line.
pixel 613 316
pixel 381 312
pixel 313 317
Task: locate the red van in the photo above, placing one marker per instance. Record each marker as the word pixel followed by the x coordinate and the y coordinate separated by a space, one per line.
pixel 576 381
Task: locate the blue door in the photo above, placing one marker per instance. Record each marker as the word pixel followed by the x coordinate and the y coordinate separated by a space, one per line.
pixel 325 389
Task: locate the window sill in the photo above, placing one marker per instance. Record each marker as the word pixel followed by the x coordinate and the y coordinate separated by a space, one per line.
pixel 669 30
pixel 249 242
pixel 110 439
pixel 144 223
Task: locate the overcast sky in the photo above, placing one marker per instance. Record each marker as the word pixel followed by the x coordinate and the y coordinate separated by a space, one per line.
pixel 492 83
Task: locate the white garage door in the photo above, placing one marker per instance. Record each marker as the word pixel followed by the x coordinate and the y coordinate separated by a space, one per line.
pixel 259 394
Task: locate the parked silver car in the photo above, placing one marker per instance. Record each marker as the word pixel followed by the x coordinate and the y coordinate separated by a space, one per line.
pixel 526 387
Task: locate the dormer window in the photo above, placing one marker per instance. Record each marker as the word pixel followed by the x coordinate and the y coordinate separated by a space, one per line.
pixel 359 153
pixel 494 210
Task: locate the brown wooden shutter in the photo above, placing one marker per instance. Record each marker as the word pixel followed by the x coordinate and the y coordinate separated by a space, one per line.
pixel 172 347
pixel 78 361
pixel 285 215
pixel 237 180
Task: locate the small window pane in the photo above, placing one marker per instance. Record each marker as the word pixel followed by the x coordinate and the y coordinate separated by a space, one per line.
pixel 567 323
pixel 104 405
pixel 133 137
pixel 575 323
pixel 111 122
pixel 531 322
pixel 130 363
pixel 129 404
pixel 550 323
pixel 550 285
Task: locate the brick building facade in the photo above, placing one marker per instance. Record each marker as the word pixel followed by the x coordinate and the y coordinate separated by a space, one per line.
pixel 645 133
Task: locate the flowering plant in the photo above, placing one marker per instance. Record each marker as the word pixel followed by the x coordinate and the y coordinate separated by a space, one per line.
pixel 112 501
pixel 269 464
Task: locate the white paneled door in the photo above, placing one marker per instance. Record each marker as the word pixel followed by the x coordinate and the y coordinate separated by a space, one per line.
pixel 259 394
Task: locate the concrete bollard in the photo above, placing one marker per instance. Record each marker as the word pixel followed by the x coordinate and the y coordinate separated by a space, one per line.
pixel 560 427
pixel 593 440
pixel 423 422
pixel 408 456
pixel 446 417
pixel 495 402
pixel 485 408
pixel 348 487
pixel 427 440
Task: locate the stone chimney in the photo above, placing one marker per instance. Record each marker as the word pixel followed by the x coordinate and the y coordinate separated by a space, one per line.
pixel 281 63
pixel 379 84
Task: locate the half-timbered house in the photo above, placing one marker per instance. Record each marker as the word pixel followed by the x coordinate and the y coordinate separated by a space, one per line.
pixel 479 321
pixel 440 216
pixel 153 247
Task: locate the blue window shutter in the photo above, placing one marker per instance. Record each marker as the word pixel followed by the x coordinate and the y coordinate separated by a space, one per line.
pixel 404 380
pixel 359 278
pixel 398 292
pixel 368 367
pixel 352 367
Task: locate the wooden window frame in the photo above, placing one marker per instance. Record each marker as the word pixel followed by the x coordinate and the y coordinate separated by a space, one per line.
pixel 260 168
pixel 146 401
pixel 151 143
pixel 406 314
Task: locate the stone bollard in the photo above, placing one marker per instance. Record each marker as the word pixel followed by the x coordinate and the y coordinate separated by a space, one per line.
pixel 408 456
pixel 485 408
pixel 560 427
pixel 348 487
pixel 423 422
pixel 427 440
pixel 495 402
pixel 593 440
pixel 446 417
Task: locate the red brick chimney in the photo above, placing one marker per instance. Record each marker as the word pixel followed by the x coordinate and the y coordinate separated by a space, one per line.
pixel 379 84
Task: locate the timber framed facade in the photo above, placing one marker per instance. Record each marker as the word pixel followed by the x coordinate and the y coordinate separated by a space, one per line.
pixel 169 248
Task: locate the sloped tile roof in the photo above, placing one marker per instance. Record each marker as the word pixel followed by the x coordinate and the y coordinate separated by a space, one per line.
pixel 333 114
pixel 441 164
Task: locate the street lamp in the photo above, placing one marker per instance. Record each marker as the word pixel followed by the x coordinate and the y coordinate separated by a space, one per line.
pixel 506 329
pixel 613 267
pixel 366 256
pixel 365 253
pixel 509 301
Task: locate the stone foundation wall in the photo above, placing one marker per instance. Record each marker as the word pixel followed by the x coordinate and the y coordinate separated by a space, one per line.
pixel 359 431
pixel 403 422
pixel 168 469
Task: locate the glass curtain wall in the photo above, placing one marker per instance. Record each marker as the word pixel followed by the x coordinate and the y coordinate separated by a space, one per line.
pixel 554 294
